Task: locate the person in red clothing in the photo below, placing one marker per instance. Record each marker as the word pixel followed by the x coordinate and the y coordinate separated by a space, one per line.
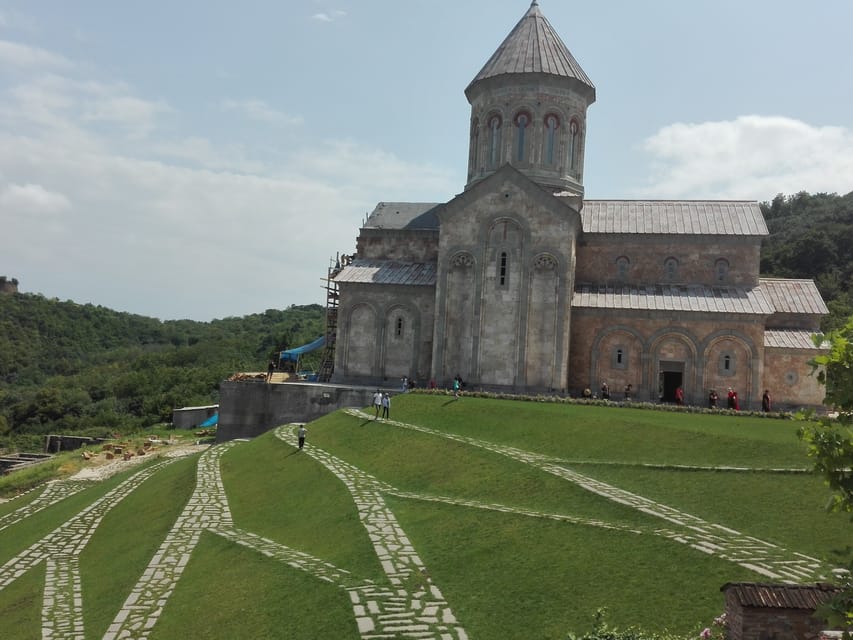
pixel 679 396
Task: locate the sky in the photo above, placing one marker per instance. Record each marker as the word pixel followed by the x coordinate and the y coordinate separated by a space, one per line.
pixel 204 159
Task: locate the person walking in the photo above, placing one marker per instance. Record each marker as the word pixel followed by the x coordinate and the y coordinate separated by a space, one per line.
pixel 456 386
pixel 605 391
pixel 270 369
pixel 377 404
pixel 765 401
pixel 301 433
pixel 386 405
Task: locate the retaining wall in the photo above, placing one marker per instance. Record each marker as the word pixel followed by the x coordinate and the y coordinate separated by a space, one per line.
pixel 248 408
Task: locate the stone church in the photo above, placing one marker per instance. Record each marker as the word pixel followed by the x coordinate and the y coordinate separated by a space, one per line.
pixel 521 284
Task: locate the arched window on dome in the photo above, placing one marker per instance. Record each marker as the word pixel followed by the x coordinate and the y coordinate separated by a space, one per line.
pixel 552 123
pixel 494 140
pixel 522 121
pixel 574 144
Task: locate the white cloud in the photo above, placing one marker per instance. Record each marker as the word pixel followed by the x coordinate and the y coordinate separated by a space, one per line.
pixel 260 111
pixel 133 114
pixel 21 56
pixel 751 157
pixel 329 16
pixel 31 199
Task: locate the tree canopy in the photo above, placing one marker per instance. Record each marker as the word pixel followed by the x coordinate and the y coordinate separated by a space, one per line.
pixel 67 367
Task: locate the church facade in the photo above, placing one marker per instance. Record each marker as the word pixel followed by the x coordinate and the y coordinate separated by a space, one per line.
pixel 521 284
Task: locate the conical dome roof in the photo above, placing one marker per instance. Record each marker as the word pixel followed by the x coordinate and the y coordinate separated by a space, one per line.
pixel 534 47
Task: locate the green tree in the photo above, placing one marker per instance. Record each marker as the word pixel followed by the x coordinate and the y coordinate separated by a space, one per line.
pixel 830 445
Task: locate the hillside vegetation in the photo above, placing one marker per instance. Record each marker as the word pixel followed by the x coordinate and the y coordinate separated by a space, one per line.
pixel 66 367
pixel 811 236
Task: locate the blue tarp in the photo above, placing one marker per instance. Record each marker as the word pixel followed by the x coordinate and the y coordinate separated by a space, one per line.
pixel 293 354
pixel 211 421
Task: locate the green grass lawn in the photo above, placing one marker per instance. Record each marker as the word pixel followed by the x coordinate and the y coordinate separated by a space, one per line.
pixel 505 574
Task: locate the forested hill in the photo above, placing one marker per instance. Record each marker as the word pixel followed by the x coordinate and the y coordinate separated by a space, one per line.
pixel 811 236
pixel 66 367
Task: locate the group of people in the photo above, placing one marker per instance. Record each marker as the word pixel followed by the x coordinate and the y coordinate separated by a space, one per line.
pixel 605 392
pixel 381 403
pixel 732 401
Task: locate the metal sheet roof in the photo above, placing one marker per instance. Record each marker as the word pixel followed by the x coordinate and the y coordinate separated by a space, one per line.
pixel 403 215
pixel 695 298
pixel 794 296
pixel 780 596
pixel 789 339
pixel 685 217
pixel 388 272
pixel 533 46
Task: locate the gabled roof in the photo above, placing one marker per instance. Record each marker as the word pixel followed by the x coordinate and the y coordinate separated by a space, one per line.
pixel 684 217
pixel 388 272
pixel 697 298
pixel 779 596
pixel 794 296
pixel 790 339
pixel 533 47
pixel 403 215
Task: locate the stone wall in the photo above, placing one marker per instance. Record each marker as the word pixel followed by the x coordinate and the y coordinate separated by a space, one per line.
pixel 790 379
pixel 708 352
pixel 250 408
pixel 405 245
pixel 697 257
pixel 384 333
pixel 505 280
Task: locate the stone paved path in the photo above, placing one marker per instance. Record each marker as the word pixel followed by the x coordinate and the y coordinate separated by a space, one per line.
pixel 757 555
pixel 62 604
pixel 406 605
pixel 50 495
pixel 412 606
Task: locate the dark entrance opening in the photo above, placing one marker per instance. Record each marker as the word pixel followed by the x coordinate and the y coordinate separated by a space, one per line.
pixel 671 377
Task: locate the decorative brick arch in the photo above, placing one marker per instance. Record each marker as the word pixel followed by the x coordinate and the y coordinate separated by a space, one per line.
pixel 596 366
pixel 689 362
pixel 399 354
pixel 361 339
pixel 743 376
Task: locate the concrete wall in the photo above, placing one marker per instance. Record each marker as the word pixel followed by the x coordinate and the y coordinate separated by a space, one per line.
pixel 249 408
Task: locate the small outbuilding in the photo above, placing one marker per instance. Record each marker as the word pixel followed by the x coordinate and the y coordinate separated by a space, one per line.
pixel 757 611
pixel 192 417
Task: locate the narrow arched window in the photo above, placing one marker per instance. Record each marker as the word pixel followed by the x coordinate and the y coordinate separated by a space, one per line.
pixel 494 139
pixel 398 329
pixel 622 265
pixel 619 355
pixel 475 144
pixel 574 135
pixel 670 269
pixel 721 270
pixel 522 120
pixel 727 363
pixel 551 124
pixel 502 269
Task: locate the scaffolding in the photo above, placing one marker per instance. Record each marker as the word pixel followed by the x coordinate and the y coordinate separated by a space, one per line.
pixel 327 363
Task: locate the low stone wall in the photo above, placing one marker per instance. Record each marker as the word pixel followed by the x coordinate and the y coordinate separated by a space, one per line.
pixel 249 408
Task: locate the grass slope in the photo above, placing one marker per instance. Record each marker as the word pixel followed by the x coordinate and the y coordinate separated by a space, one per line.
pixel 505 575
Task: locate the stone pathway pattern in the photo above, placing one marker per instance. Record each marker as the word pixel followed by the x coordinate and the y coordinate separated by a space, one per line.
pixel 406 605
